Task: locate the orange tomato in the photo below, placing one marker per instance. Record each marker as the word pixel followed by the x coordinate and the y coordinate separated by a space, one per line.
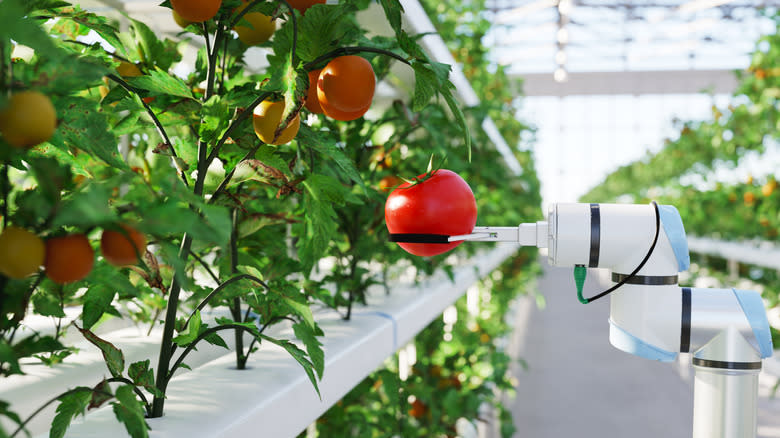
pixel 346 84
pixel 312 101
pixel 196 11
pixel 120 249
pixel 303 5
pixel 68 258
pixel 261 30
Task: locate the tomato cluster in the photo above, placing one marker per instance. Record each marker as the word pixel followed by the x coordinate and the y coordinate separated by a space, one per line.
pixel 67 258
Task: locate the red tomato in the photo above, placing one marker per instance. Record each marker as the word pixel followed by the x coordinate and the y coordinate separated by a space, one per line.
pixel 442 204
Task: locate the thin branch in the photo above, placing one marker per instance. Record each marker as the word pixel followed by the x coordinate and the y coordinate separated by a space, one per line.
pixel 157 124
pixel 54 399
pixel 265 326
pixel 219 289
pixel 351 51
pixel 229 177
pixel 136 389
pixel 206 267
pixel 111 54
pixel 202 336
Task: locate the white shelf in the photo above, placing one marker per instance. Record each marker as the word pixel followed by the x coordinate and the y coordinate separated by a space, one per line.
pixel 759 253
pixel 274 395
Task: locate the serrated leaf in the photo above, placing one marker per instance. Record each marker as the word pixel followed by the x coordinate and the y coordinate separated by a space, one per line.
pixel 46 304
pixel 84 127
pixel 160 82
pixel 308 335
pixel 214 119
pixel 86 208
pixel 71 405
pixel 115 360
pixel 97 300
pixel 215 339
pixel 299 356
pixel 424 86
pixel 130 411
pixel 323 28
pixel 460 117
pixel 393 11
pixel 101 393
pixel 301 309
pixel 191 332
pixel 102 27
pixel 14 25
pixel 142 375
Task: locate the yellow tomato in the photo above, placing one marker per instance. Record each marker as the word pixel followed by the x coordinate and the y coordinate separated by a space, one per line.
pixel 28 119
pixel 268 117
pixel 21 252
pixel 260 30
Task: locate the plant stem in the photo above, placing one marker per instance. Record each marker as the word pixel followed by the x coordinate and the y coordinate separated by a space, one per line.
pixel 235 309
pixel 5 190
pixel 157 124
pixel 351 51
pixel 137 391
pixel 167 347
pixel 111 54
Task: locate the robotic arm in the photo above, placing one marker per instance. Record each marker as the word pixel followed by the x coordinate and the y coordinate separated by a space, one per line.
pixel 644 247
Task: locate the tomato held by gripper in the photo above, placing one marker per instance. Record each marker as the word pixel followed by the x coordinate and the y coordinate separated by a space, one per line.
pixel 644 248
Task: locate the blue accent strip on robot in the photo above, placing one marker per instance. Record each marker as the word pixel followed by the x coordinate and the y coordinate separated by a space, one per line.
pixel 595 235
pixel 675 231
pixel 685 325
pixel 753 306
pixel 629 343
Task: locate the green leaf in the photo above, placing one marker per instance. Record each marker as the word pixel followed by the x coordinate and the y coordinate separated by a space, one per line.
pixel 323 28
pixel 215 339
pixel 160 82
pixel 299 356
pixel 152 49
pixel 9 361
pixel 52 177
pixel 393 11
pixel 15 26
pixel 142 375
pixel 101 393
pixel 84 127
pixel 45 303
pixel 460 117
pixel 115 360
pixel 308 335
pixel 71 404
pixel 34 5
pixel 214 119
pixel 301 309
pixel 13 416
pixel 130 411
pixel 97 300
pixel 191 332
pixel 86 208
pixel 101 26
pixel 424 86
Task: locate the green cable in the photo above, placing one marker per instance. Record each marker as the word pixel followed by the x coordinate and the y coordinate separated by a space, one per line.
pixel 580 272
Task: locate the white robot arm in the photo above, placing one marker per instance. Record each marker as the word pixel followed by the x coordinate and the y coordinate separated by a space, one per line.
pixel 644 247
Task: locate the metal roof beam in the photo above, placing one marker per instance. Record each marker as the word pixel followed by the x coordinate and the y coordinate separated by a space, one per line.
pixel 630 82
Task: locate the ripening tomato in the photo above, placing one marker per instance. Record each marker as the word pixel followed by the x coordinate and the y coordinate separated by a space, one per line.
pixel 196 11
pixel 312 101
pixel 303 5
pixel 28 120
pixel 268 117
pixel 261 27
pixel 21 252
pixel 345 87
pixel 68 258
pixel 120 249
pixel 442 204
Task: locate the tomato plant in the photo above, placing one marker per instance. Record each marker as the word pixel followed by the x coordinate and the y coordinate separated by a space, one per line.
pixel 441 203
pixel 237 216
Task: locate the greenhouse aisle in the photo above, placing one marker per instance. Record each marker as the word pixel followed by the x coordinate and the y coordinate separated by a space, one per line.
pixel 577 384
